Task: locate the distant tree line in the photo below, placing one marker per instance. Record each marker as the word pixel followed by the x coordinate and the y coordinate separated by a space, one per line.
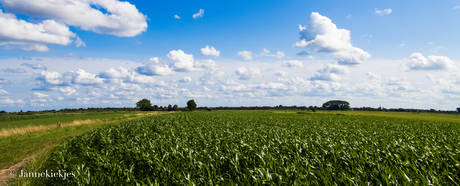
pixel 145 105
pixel 406 110
pixel 73 110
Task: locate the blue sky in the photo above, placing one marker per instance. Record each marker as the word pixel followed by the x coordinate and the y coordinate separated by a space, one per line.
pixel 110 53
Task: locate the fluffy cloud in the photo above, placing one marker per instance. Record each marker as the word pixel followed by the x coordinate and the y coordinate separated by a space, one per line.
pixel 39 95
pixel 122 18
pixel 449 84
pixel 210 51
pixel 13 70
pixel 383 12
pixel 176 17
pixel 205 63
pixel 330 73
pixel 68 91
pixel 6 101
pixel 293 64
pixel 79 77
pixel 19 32
pixel 34 66
pixel 322 35
pixel 84 78
pixel 266 52
pixel 141 79
pixel 186 79
pixel 246 55
pixel 419 62
pixel 246 74
pixel 112 73
pixel 155 70
pixel 210 77
pixel 234 88
pixel 127 76
pixel 399 84
pixel 199 14
pixel 181 61
pixel 52 78
pixel 279 55
pixel 271 85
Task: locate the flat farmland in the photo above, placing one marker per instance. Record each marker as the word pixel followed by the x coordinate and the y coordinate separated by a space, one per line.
pixel 254 148
pixel 21 121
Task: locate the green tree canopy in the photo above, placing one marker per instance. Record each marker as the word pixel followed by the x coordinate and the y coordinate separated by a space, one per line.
pixel 458 109
pixel 176 108
pixel 144 105
pixel 191 105
pixel 336 105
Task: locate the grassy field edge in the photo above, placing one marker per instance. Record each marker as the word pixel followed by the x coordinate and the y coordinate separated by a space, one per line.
pixel 15 148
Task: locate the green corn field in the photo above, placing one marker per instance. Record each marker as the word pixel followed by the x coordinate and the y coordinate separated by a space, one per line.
pixel 262 148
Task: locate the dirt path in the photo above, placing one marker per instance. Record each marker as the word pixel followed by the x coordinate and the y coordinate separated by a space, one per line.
pixel 7 174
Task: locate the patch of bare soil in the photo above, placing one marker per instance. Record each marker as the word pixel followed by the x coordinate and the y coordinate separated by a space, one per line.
pixel 7 174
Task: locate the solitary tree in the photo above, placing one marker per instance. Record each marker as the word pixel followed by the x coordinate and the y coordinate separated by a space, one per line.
pixel 336 105
pixel 458 109
pixel 191 105
pixel 176 108
pixel 144 105
pixel 170 107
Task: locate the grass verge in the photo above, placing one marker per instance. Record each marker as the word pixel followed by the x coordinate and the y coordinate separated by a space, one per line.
pixel 15 148
pixel 62 118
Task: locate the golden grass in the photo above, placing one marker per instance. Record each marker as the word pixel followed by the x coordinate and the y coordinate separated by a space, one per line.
pixel 30 129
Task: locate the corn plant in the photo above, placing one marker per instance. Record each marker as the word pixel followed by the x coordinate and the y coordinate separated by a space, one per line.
pixel 261 148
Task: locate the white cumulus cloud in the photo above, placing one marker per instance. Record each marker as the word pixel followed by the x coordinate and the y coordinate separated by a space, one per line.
pixel 176 17
pixel 186 79
pixel 246 74
pixel 14 31
pixel 383 12
pixel 293 64
pixel 39 95
pixel 199 14
pixel 246 55
pixel 182 61
pixel 279 54
pixel 205 63
pixel 210 51
pixel 266 52
pixel 419 62
pixel 122 18
pixel 330 73
pixel 84 78
pixel 322 35
pixel 155 70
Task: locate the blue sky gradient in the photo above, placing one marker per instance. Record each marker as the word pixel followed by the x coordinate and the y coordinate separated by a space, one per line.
pixel 371 53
